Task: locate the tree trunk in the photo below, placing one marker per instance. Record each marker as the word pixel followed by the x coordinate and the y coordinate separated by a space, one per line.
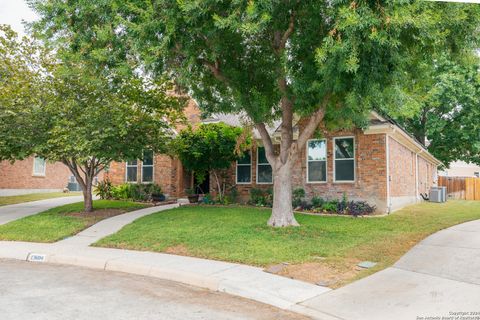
pixel 87 196
pixel 282 211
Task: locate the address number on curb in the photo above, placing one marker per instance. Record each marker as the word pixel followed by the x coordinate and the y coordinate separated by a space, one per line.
pixel 37 257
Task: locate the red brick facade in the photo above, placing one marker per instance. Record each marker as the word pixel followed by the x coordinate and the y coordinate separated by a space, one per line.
pixel 372 162
pixel 19 176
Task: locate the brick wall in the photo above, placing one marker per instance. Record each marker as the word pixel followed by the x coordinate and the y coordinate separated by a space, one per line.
pixel 20 175
pixel 402 170
pixel 370 172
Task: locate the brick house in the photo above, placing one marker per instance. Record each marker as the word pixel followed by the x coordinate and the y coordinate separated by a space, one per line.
pixel 382 164
pixel 32 175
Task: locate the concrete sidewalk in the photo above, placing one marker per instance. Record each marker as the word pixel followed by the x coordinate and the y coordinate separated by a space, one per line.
pixel 16 211
pixel 110 226
pixel 438 276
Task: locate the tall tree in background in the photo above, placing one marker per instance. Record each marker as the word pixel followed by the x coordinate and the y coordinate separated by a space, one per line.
pixel 69 111
pixel 449 102
pixel 327 62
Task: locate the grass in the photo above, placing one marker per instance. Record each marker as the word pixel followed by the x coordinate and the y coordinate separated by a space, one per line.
pixel 63 221
pixel 240 234
pixel 34 197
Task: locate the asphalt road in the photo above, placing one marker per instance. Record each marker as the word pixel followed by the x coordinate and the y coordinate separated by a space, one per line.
pixel 41 291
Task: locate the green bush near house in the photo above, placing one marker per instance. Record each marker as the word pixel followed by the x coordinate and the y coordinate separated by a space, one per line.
pixel 127 191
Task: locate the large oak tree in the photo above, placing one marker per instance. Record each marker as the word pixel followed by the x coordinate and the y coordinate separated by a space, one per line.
pixel 325 62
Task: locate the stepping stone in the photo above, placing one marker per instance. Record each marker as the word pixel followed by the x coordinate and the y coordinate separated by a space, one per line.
pixel 367 264
pixel 325 283
pixel 277 268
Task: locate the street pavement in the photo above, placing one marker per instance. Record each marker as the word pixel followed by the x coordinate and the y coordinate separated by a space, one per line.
pixel 51 292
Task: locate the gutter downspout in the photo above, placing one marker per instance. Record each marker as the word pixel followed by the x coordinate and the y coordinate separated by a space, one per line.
pixel 416 177
pixel 387 146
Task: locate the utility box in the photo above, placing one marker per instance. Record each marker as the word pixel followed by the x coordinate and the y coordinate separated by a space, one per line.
pixel 435 195
pixel 444 193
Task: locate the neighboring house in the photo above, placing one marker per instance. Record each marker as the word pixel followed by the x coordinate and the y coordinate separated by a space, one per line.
pixel 161 169
pixel 382 164
pixel 32 175
pixel 461 169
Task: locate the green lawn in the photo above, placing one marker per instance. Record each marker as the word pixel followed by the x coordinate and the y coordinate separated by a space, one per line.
pixel 34 197
pixel 61 222
pixel 240 234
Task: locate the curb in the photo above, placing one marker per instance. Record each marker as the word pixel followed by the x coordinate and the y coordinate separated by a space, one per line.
pixel 132 262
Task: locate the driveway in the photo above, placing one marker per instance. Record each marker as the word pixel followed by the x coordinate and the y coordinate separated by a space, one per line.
pixel 50 292
pixel 20 210
pixel 440 277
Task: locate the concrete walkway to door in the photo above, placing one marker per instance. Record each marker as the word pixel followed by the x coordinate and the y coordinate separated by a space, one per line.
pixel 16 211
pixel 439 277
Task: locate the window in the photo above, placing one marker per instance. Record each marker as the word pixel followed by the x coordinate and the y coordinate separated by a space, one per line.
pixel 317 161
pixel 244 169
pixel 131 174
pixel 39 166
pixel 344 159
pixel 476 174
pixel 147 166
pixel 264 170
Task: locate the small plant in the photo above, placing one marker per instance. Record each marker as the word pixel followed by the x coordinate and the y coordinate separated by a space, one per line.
pixel 297 197
pixel 104 189
pixel 233 196
pixel 190 191
pixel 261 198
pixel 317 202
pixel 207 199
pixel 330 206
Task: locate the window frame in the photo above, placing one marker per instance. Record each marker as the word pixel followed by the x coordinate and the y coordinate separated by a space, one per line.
pixel 126 171
pixel 37 174
pixel 244 164
pixel 326 161
pixel 148 165
pixel 335 160
pixel 263 164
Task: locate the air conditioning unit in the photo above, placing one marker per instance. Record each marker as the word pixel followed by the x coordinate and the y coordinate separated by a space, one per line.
pixel 435 195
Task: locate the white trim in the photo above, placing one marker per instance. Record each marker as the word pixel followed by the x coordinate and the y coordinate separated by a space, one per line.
pixel 354 160
pixel 263 164
pixel 149 165
pixel 243 164
pixel 326 161
pixel 403 138
pixel 126 172
pixel 39 174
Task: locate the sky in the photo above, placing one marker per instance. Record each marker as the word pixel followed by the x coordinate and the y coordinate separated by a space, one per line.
pixel 12 12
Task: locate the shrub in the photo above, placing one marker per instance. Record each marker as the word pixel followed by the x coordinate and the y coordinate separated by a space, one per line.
pixel 233 196
pixel 135 192
pixel 356 208
pixel 104 189
pixel 261 198
pixel 317 202
pixel 330 206
pixel 297 197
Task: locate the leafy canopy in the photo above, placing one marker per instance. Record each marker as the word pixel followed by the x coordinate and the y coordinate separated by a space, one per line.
pixel 233 55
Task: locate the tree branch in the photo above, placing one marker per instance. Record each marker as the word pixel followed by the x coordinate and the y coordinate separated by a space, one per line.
pixel 313 123
pixel 282 42
pixel 267 143
pixel 215 69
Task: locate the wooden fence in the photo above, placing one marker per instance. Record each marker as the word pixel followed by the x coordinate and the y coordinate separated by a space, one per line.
pixel 461 188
